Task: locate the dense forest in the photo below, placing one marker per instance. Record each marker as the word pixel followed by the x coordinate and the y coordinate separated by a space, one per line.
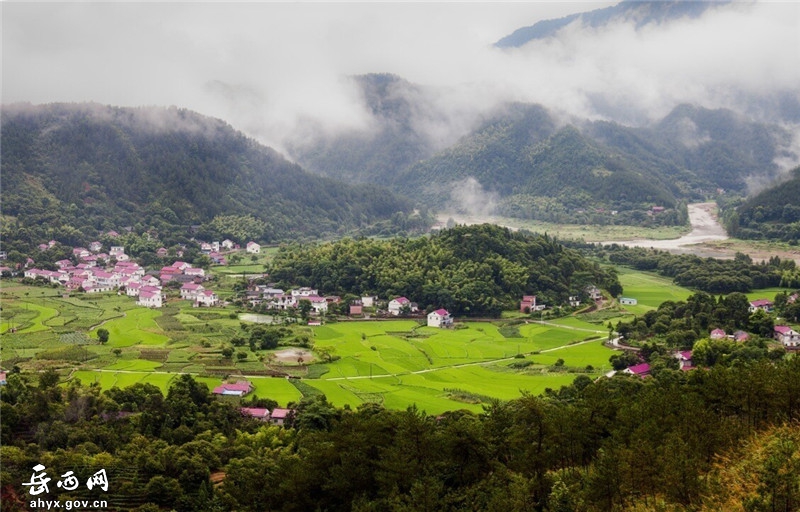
pixel 724 438
pixel 772 214
pixel 710 275
pixel 468 270
pixel 72 171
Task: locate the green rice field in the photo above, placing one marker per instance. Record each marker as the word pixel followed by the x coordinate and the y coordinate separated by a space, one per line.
pixel 397 363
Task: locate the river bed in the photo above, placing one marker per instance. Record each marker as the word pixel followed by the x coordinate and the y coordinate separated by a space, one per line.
pixel 705 228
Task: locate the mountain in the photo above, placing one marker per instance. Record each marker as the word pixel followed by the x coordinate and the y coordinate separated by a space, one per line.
pixel 528 165
pixel 396 139
pixel 772 214
pixel 85 168
pixel 532 168
pixel 642 13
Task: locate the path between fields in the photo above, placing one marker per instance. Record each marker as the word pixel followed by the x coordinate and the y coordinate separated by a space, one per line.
pixel 460 365
pixel 418 372
pixel 427 370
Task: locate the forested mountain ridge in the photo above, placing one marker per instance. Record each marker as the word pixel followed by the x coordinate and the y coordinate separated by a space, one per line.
pixel 641 12
pixel 529 163
pixel 773 213
pixel 72 170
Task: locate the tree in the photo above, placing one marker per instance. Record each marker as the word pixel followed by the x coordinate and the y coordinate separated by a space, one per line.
pixel 102 335
pixel 305 308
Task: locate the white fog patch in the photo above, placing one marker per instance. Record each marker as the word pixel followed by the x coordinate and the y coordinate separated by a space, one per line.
pixel 470 198
pixel 689 135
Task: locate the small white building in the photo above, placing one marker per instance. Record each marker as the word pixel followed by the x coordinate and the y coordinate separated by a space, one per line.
pixel 253 248
pixel 788 336
pixel 150 299
pixel 440 318
pixel 206 298
pixel 369 302
pixel 628 301
pixel 396 305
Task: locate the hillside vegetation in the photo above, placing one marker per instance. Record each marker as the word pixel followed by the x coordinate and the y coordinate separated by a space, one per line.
pixel 72 170
pixel 773 213
pixel 469 270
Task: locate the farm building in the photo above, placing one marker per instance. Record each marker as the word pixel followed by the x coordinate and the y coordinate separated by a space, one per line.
pixel 440 318
pixel 788 336
pixel 241 388
pixel 628 301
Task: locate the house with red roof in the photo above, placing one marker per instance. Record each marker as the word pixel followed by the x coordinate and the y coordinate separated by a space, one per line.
pixel 253 248
pixel 206 298
pixel 741 336
pixel 642 370
pixel 763 304
pixel 150 299
pixel 396 305
pixel 440 318
pixel 240 388
pixel 191 290
pixel 684 358
pixel 527 304
pixel 279 416
pixel 258 413
pixel 786 335
pixel 718 334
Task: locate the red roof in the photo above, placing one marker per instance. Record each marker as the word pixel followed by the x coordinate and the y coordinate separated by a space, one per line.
pixel 279 414
pixel 783 329
pixel 402 300
pixel 760 302
pixel 241 386
pixel 441 312
pixel 255 412
pixel 639 369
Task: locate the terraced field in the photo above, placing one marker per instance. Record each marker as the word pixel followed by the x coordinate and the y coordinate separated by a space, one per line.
pixel 396 363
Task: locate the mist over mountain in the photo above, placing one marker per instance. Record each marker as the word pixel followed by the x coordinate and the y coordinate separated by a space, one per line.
pixel 640 12
pixel 525 160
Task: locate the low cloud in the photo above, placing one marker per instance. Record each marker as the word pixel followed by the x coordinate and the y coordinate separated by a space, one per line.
pixel 270 68
pixel 470 198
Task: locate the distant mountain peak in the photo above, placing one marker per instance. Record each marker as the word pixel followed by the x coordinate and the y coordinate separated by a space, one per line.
pixel 642 12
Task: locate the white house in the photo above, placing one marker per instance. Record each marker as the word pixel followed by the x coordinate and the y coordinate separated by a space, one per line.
pixel 628 301
pixel 763 304
pixel 369 302
pixel 304 292
pixel 318 304
pixel 439 318
pixel 206 298
pixel 227 244
pixel 190 291
pixel 253 248
pixel 396 305
pixel 150 299
pixel 788 336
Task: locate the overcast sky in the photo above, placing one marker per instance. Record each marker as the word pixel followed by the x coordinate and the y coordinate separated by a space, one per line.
pixel 264 66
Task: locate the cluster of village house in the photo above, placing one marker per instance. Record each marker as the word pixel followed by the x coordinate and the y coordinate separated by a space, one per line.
pixel 89 276
pixel 787 336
